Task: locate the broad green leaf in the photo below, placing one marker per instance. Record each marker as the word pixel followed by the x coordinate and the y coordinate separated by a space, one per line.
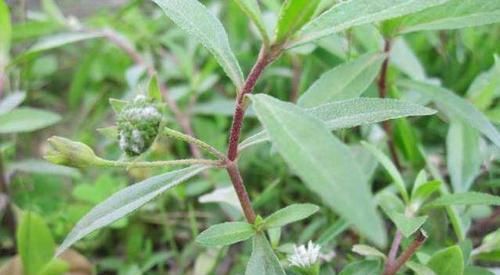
pixel 365 267
pixel 293 15
pixel 55 267
pixel 11 101
pixel 346 81
pixel 127 200
pixel 352 113
pixel 477 270
pixel 290 214
pixel 61 39
pixel 197 21
pixel 390 168
pixel 347 14
pixel 263 261
pixel 407 225
pixel 456 107
pixel 366 250
pixel 5 33
pixel 34 243
pixel 226 233
pixel 448 261
pixel 419 269
pixel 26 119
pixel 467 198
pixel 453 14
pixel 324 163
pixel 251 9
pixel 463 155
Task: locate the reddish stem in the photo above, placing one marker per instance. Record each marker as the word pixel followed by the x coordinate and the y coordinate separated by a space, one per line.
pixel 419 240
pixel 382 90
pixel 393 253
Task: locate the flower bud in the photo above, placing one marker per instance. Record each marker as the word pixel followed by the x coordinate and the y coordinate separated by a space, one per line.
pixel 70 153
pixel 138 125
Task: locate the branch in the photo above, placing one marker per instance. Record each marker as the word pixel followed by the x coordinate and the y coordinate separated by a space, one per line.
pixel 382 90
pixel 392 268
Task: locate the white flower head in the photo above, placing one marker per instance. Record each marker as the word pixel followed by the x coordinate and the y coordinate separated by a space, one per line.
pixel 305 256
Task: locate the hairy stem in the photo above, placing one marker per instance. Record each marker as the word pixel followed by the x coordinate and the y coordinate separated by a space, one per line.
pixel 183 119
pixel 394 267
pixel 163 163
pixel 191 140
pixel 266 56
pixel 382 90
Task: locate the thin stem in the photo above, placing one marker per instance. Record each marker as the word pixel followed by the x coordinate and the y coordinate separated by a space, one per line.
pixel 263 60
pixel 419 240
pixel 191 140
pixel 241 192
pixel 183 119
pixel 382 90
pixel 393 252
pixel 162 163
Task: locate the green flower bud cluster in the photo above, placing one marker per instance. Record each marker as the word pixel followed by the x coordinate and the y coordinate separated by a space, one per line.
pixel 138 125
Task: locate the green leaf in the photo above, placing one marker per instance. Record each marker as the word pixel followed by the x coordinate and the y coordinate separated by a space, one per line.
pixel 448 261
pixel 251 9
pixel 419 269
pixel 37 166
pixel 325 164
pixel 390 168
pixel 453 14
pixel 5 33
pixel 456 107
pixel 352 113
pixel 366 250
pixel 263 261
pixel 34 243
pixel 407 225
pixel 197 21
pixel 117 104
pixel 347 14
pixel 486 87
pixel 423 192
pixel 11 101
pixel 226 233
pixel 463 155
pixel 61 39
pixel 55 267
pixel 154 89
pixel 346 81
pixel 476 270
pixel 290 214
pixel 467 198
pixel 365 267
pixel 293 15
pixel 26 119
pixel 126 201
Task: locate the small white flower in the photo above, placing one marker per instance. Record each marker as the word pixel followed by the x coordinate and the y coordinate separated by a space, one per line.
pixel 305 256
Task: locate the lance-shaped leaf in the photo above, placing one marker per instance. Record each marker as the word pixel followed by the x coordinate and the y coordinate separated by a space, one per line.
pixel 290 214
pixel 456 107
pixel 263 261
pixel 352 113
pixel 251 9
pixel 467 198
pixel 198 22
pixel 453 14
pixel 346 81
pixel 463 155
pixel 61 39
pixel 11 101
pixel 127 200
pixel 347 14
pixel 293 15
pixel 26 119
pixel 323 162
pixel 226 233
